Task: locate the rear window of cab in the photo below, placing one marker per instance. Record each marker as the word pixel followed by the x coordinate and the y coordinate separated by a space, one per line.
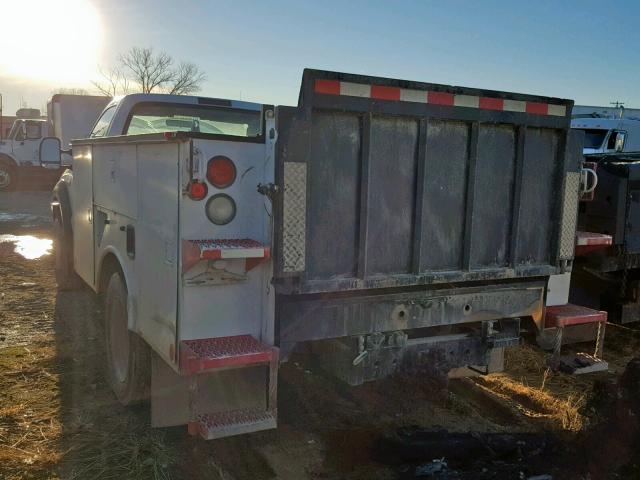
pixel 166 117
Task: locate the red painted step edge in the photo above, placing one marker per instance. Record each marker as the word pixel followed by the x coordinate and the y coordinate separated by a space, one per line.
pixel 224 352
pixel 588 242
pixel 566 315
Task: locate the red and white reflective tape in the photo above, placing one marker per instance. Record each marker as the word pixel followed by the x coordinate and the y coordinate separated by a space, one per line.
pixel 195 250
pixel 382 92
pixel 226 249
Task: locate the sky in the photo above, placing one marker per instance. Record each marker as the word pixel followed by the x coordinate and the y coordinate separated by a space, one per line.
pixel 256 50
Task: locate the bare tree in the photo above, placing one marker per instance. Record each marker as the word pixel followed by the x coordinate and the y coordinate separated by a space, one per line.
pixel 144 70
pixel 150 71
pixel 187 79
pixel 113 82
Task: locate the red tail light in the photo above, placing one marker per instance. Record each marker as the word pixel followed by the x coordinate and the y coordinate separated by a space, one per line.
pixel 221 172
pixel 197 190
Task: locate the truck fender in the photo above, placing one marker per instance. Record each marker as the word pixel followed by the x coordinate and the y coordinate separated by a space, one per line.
pixel 111 260
pixel 61 205
pixel 9 160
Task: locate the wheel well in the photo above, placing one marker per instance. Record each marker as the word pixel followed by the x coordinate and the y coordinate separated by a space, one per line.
pixel 60 195
pixel 110 265
pixel 8 160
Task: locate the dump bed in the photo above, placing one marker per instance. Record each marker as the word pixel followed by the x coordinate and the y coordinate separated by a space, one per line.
pixel 389 183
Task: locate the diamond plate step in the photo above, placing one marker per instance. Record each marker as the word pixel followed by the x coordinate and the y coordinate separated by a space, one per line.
pixel 579 364
pixel 224 352
pixel 225 424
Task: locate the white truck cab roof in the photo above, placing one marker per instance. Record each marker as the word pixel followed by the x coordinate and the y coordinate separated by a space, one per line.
pixel 609 135
pixel 116 117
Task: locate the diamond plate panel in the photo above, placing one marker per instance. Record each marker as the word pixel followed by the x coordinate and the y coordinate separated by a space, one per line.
pixel 569 215
pixel 295 216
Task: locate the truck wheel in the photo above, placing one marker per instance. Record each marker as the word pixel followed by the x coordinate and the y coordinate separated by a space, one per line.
pixel 128 357
pixel 66 277
pixel 7 176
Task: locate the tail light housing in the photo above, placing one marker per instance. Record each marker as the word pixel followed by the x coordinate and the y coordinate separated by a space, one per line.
pixel 220 209
pixel 197 190
pixel 221 171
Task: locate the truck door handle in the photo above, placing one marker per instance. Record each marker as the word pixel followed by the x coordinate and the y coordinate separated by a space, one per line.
pixel 131 241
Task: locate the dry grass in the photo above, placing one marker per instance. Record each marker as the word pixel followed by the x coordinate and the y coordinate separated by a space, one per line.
pixel 122 454
pixel 29 417
pixel 556 413
pixel 537 392
pixel 33 444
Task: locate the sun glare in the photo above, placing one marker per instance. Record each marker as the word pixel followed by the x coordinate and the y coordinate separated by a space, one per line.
pixel 50 40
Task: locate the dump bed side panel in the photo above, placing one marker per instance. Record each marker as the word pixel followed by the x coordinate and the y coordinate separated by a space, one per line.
pixel 391 183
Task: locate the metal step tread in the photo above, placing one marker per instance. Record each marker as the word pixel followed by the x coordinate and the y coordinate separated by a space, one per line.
pixel 224 352
pixel 230 248
pixel 569 314
pixel 223 424
pixel 579 363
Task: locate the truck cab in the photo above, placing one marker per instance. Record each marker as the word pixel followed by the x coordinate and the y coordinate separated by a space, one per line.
pixel 20 149
pixel 608 135
pixel 68 116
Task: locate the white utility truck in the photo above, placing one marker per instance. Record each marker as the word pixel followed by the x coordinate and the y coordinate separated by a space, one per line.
pixel 382 225
pixel 608 131
pixel 68 116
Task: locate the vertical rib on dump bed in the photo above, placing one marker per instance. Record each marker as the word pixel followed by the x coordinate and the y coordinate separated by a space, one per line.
pixel 390 183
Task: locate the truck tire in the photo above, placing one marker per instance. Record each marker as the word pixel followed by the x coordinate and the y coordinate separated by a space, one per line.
pixel 7 176
pixel 66 276
pixel 128 356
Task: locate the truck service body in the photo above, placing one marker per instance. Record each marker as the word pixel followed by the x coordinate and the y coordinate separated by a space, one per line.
pixel 383 224
pixel 68 116
pixel 610 277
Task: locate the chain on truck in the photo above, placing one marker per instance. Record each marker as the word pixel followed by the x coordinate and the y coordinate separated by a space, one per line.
pixel 382 225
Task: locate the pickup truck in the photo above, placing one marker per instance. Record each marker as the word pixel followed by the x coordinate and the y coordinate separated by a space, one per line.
pixel 382 225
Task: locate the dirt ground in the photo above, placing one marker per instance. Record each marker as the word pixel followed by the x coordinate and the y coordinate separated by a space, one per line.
pixel 58 418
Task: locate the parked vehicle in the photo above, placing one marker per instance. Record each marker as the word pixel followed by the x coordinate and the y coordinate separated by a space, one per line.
pixel 381 224
pixel 612 276
pixel 610 132
pixel 68 116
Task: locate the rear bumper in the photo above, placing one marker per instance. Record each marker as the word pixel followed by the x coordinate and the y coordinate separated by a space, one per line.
pixel 317 317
